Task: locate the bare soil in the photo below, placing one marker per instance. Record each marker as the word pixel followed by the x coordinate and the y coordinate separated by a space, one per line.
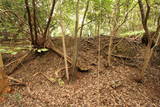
pixel 116 85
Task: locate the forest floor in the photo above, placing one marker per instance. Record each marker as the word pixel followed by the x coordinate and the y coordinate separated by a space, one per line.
pixel 116 85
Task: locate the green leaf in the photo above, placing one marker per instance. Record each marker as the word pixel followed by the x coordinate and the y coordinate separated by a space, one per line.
pixel 14 53
pixel 44 49
pixel 2 50
pixel 39 51
pixel 52 79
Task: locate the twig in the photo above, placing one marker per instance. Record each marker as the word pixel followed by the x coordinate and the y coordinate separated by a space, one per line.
pixel 117 44
pixel 59 70
pixel 53 82
pixel 17 81
pixel 125 57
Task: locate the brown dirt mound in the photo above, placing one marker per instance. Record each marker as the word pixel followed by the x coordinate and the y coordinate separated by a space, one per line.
pixel 116 84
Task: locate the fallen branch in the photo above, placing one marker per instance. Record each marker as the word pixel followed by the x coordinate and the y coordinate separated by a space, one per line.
pixel 18 62
pixel 125 57
pixel 18 82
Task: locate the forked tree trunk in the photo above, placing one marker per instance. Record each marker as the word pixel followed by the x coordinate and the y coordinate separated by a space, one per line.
pixel 116 27
pixel 149 49
pixel 38 39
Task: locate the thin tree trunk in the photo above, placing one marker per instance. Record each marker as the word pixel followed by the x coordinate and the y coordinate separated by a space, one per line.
pixel 1 61
pixel 84 16
pixel 147 56
pixel 116 27
pixel 114 14
pixel 95 32
pixel 35 21
pixel 110 49
pixel 49 19
pixel 64 51
pixel 75 51
pixel 144 16
pixel 29 21
pixel 99 62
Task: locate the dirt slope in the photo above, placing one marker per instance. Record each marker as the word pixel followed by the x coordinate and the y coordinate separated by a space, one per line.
pixel 116 86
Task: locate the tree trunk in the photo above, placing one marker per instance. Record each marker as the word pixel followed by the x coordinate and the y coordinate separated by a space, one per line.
pixel 84 16
pixel 147 37
pixel 1 61
pixel 3 78
pixel 64 50
pixel 30 22
pixel 75 51
pixel 49 20
pixel 110 50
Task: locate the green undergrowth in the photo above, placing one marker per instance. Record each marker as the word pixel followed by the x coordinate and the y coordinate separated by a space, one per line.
pixel 132 33
pixel 13 50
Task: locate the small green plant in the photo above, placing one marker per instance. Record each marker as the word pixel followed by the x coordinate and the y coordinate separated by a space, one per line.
pixel 60 82
pixel 42 50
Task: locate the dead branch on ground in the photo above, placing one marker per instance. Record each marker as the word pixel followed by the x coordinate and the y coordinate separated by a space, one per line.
pixel 18 82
